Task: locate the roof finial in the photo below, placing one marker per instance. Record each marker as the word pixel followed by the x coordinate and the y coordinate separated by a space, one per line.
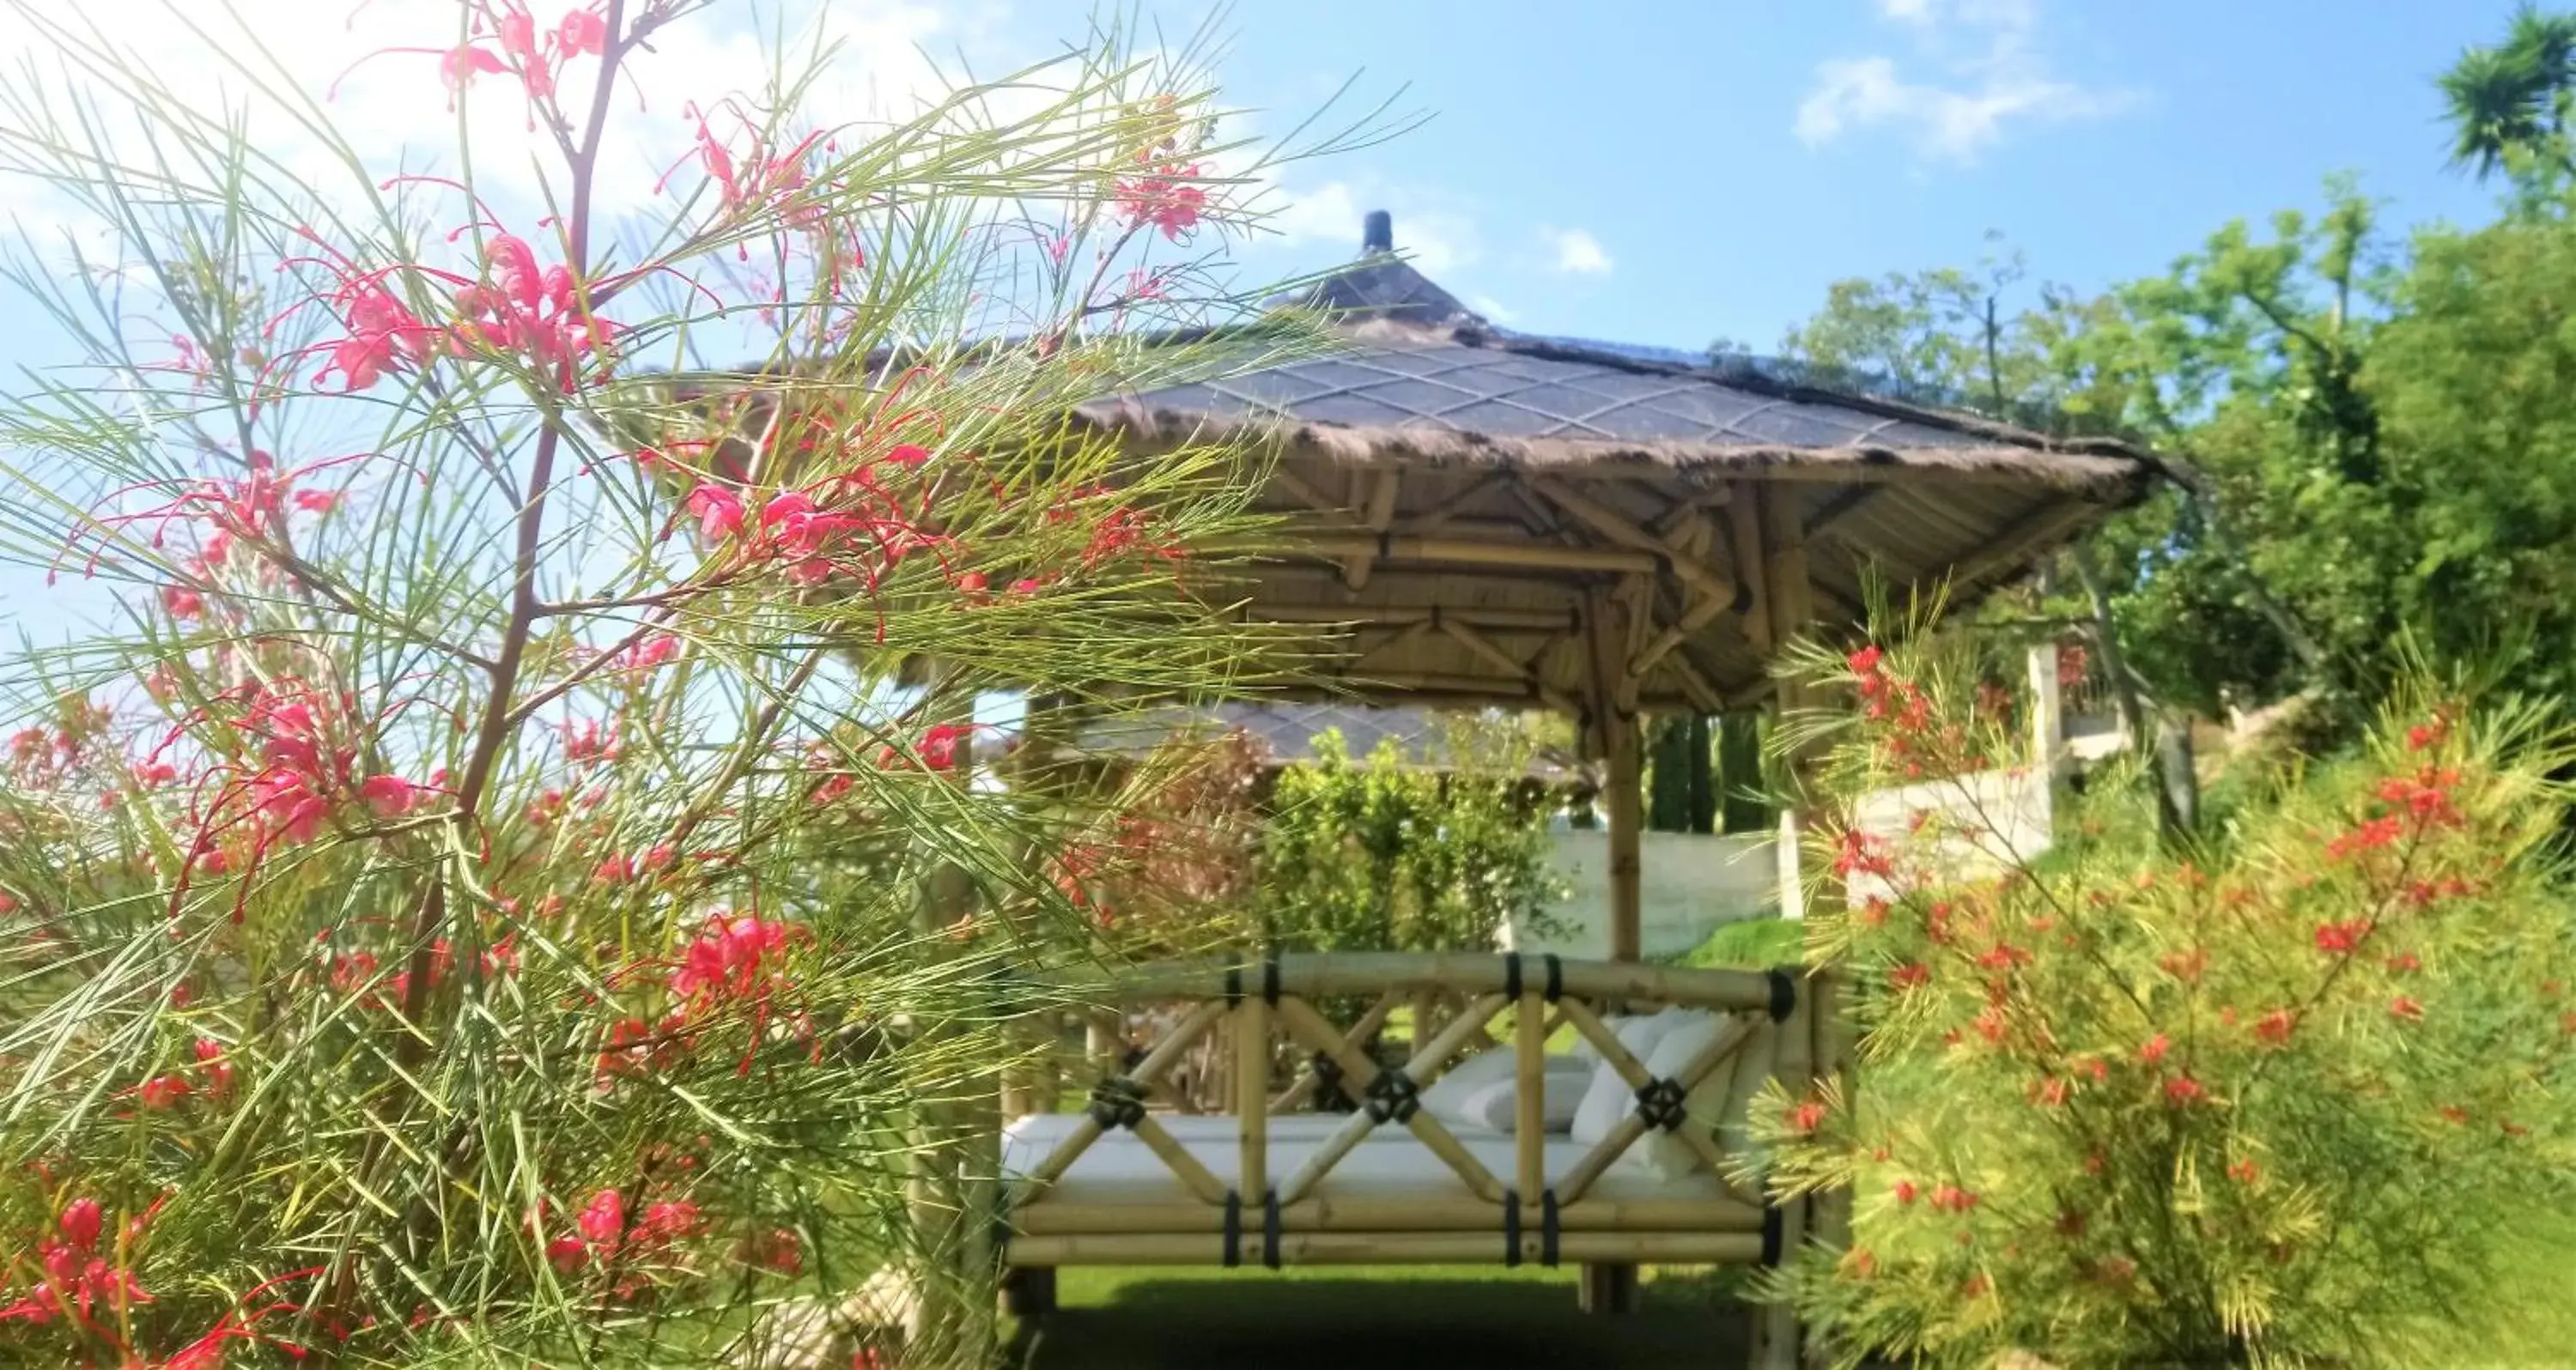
pixel 1377 232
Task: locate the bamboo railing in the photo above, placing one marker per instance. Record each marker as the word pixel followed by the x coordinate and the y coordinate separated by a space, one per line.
pixel 1274 1218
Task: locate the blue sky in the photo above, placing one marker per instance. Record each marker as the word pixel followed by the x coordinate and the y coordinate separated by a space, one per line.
pixel 2103 138
pixel 1659 172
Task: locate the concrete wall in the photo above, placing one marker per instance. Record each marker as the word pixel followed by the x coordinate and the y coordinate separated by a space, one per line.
pixel 1689 885
pixel 1692 885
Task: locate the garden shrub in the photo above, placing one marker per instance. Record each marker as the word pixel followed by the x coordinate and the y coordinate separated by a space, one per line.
pixel 498 893
pixel 1379 854
pixel 2263 1101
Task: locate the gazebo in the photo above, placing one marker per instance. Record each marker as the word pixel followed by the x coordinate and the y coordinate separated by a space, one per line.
pixel 1488 519
pixel 1477 518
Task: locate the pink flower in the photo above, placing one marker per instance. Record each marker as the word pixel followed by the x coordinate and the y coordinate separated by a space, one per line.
pixel 717 510
pixel 568 1254
pixel 616 870
pixel 163 1091
pixel 907 454
pixel 458 66
pixel 389 796
pixel 605 1220
pixel 668 1221
pixel 582 31
pixel 182 602
pixel 1865 661
pixel 80 1223
pixel 316 501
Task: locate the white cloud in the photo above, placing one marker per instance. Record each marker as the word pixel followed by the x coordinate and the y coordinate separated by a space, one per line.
pixel 392 109
pixel 1436 236
pixel 1577 252
pixel 1991 75
pixel 1493 310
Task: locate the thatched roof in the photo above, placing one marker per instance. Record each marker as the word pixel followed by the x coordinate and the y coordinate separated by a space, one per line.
pixel 1472 499
pixel 1284 732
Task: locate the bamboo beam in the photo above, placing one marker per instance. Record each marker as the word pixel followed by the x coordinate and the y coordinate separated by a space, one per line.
pixel 1377 506
pixel 1575 1183
pixel 1197 1178
pixel 1325 975
pixel 1744 538
pixel 1491 620
pixel 1395 1248
pixel 1440 515
pixel 1304 1085
pixel 1308 1026
pixel 2017 544
pixel 1458 551
pixel 1060 1218
pixel 1165 1054
pixel 1618 528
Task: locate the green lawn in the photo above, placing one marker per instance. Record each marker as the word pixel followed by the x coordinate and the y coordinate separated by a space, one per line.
pixel 1418 1318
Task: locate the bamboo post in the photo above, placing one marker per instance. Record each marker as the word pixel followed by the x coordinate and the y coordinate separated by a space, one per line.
pixel 1829 1214
pixel 1608 698
pixel 1776 1332
pixel 1252 1095
pixel 1529 1115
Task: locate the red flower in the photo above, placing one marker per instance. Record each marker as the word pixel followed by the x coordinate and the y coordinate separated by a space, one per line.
pixel 2424 735
pixel 2342 938
pixel 2454 1113
pixel 1905 1192
pixel 80 1223
pixel 940 745
pixel 164 1091
pixel 2003 956
pixel 2051 1091
pixel 717 510
pixel 1865 662
pixel 582 31
pixel 2155 1049
pixel 1862 854
pixel 2273 1028
pixel 668 1221
pixel 568 1254
pixel 605 1220
pixel 2243 1171
pixel 1950 1198
pixel 390 796
pixel 1805 1116
pixel 219 1072
pixel 182 602
pixel 2405 1010
pixel 2185 966
pixel 2182 1089
pixel 2404 962
pixel 2373 833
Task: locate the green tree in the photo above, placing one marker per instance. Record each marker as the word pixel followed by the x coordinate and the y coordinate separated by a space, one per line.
pixel 2508 104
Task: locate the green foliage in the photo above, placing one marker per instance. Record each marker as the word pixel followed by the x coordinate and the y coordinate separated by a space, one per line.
pixel 2263 1103
pixel 1378 854
pixel 2372 435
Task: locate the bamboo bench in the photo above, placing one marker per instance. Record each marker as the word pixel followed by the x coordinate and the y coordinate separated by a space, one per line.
pixel 1524 1197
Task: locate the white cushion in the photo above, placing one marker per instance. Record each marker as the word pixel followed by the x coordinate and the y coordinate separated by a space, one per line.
pixel 1667 1154
pixel 1482 1092
pixel 1496 1107
pixel 1609 1097
pixel 1445 1096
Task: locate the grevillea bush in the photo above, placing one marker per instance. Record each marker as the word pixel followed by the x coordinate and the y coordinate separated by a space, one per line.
pixel 2267 1101
pixel 518 885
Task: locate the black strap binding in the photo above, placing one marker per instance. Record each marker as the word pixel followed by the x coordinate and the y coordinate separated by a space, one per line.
pixel 1547 1227
pixel 1511 975
pixel 1663 1103
pixel 1784 995
pixel 1555 977
pixel 1233 1229
pixel 1393 1097
pixel 1233 986
pixel 1511 1228
pixel 1117 1102
pixel 1774 1234
pixel 1270 1229
pixel 1270 982
pixel 1329 1096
